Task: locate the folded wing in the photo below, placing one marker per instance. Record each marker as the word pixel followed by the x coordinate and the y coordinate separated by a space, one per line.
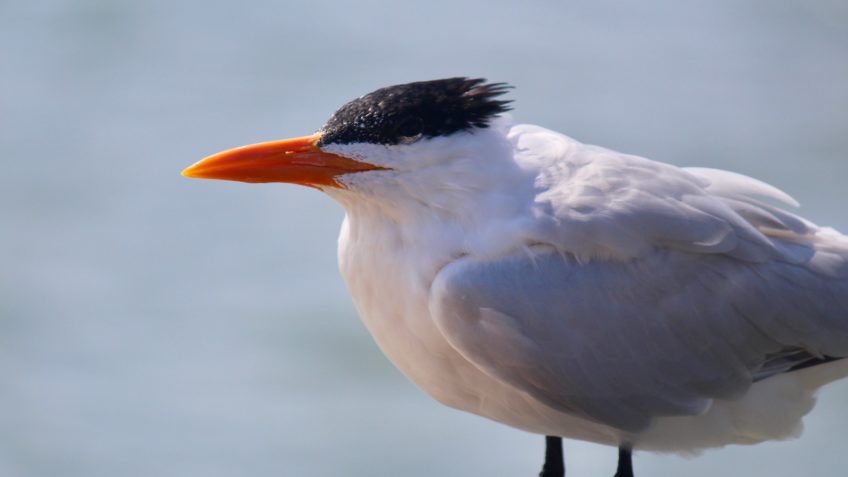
pixel 624 342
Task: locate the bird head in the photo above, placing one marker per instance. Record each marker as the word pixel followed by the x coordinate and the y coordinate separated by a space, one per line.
pixel 376 142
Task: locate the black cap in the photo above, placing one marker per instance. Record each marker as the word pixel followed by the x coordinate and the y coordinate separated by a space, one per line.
pixel 404 113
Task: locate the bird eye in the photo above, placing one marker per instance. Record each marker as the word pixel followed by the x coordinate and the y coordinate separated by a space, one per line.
pixel 409 129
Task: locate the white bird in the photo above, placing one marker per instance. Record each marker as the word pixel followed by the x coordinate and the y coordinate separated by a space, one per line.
pixel 567 289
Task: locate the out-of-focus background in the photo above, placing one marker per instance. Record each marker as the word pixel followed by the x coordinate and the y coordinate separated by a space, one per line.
pixel 154 325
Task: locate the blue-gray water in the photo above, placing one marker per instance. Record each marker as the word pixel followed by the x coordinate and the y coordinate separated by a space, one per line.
pixel 153 325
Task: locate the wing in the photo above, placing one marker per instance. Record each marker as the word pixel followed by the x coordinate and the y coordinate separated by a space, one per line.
pixel 623 342
pixel 597 203
pixel 648 290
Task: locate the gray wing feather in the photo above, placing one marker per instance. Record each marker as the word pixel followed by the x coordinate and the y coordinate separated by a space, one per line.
pixel 623 342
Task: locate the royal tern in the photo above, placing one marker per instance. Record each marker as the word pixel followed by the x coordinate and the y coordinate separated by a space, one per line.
pixel 566 289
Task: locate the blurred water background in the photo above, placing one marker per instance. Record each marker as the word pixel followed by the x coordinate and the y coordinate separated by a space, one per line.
pixel 156 326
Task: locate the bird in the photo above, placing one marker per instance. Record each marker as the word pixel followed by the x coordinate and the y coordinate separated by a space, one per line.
pixel 566 289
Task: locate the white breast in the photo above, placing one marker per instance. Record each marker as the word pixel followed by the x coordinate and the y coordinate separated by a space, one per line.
pixel 390 290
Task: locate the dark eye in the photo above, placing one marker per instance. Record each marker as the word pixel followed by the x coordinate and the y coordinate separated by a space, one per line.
pixel 409 129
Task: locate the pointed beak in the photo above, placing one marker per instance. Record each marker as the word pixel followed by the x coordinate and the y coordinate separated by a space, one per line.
pixel 298 161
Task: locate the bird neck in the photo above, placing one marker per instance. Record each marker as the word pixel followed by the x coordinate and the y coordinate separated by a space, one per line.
pixel 484 222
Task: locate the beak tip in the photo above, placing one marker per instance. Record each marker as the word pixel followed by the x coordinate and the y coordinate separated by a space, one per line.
pixel 191 172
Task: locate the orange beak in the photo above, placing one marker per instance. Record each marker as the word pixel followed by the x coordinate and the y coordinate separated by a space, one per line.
pixel 297 160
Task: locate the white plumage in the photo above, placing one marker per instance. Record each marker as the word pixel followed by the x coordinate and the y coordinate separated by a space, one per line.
pixel 570 290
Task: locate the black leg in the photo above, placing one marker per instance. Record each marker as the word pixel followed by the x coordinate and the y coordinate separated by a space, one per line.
pixel 554 463
pixel 625 462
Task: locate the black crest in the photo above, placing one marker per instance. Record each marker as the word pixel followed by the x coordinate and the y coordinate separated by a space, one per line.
pixel 404 113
